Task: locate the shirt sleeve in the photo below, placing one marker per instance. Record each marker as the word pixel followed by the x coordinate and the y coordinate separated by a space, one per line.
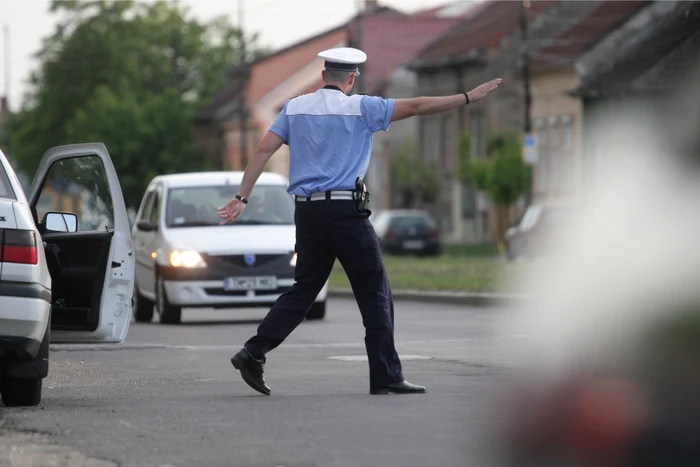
pixel 377 112
pixel 281 125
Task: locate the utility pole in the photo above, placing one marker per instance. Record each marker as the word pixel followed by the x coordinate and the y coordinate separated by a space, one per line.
pixel 528 91
pixel 242 90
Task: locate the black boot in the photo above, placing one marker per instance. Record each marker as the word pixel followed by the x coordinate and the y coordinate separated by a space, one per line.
pixel 402 387
pixel 251 370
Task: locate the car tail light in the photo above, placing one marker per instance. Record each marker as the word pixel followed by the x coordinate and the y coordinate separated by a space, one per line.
pixel 434 234
pixel 19 246
pixel 389 234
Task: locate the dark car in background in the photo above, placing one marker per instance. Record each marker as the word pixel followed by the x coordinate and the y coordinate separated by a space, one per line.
pixel 409 231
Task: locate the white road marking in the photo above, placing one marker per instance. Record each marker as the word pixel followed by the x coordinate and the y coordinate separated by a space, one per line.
pixel 127 424
pixel 111 347
pixel 363 358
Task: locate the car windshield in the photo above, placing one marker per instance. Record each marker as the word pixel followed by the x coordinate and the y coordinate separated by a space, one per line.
pixel 196 206
pixel 6 190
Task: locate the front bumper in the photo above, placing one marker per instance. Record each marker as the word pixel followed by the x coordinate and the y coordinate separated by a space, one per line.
pixel 204 287
pixel 208 294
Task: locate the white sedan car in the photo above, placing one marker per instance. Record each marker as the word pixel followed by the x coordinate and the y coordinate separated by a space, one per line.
pixel 186 259
pixel 66 264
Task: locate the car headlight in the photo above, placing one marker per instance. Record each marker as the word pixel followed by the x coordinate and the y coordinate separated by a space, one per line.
pixel 293 262
pixel 186 259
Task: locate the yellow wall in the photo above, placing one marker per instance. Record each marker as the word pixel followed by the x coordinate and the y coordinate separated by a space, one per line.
pixel 550 100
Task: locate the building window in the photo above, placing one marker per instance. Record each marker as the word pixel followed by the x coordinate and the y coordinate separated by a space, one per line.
pixel 476 132
pixel 468 202
pixel 448 125
pixel 566 174
pixel 554 153
pixel 433 144
pixel 542 168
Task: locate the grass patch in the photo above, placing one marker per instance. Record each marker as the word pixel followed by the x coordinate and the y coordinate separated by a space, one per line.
pixel 452 271
pixel 487 250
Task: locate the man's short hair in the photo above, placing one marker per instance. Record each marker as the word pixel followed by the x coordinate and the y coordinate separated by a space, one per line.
pixel 337 76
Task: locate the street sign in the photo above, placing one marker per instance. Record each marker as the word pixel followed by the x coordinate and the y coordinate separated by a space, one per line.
pixel 530 149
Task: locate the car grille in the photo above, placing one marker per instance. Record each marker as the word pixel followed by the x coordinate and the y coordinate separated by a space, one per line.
pixel 239 260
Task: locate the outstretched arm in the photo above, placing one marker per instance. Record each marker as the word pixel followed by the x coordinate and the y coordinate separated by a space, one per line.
pixel 405 108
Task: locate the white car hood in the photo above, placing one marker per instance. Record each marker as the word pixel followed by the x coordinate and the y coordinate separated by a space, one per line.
pixel 233 239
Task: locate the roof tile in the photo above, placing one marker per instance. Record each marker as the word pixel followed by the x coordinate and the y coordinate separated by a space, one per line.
pixel 588 30
pixel 391 41
pixel 486 28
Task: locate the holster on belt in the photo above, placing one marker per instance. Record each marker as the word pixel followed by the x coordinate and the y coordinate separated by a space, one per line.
pixel 361 195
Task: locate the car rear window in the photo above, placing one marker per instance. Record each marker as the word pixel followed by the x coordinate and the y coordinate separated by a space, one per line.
pixel 6 190
pixel 405 222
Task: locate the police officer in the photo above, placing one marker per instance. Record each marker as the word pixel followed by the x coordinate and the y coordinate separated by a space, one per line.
pixel 329 134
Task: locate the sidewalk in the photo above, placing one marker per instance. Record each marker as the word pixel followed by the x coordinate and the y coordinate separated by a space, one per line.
pixel 470 299
pixel 32 449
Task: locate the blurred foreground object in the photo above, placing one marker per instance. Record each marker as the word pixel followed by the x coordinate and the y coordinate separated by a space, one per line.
pixel 530 234
pixel 608 353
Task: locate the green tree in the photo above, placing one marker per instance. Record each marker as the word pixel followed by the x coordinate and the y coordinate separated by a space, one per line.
pixel 131 75
pixel 470 170
pixel 413 178
pixel 503 174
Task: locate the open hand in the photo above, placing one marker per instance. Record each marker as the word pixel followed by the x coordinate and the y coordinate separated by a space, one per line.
pixel 483 90
pixel 230 211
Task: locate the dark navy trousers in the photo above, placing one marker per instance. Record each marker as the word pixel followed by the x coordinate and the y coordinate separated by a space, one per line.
pixel 326 230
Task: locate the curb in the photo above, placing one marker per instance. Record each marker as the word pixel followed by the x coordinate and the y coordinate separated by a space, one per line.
pixel 451 298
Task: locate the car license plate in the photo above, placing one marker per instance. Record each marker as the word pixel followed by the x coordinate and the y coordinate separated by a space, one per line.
pixel 413 245
pixel 250 283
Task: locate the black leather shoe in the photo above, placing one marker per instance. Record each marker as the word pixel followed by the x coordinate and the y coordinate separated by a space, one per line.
pixel 251 370
pixel 403 387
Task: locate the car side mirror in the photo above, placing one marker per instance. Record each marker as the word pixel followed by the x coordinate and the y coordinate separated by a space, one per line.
pixel 60 222
pixel 146 226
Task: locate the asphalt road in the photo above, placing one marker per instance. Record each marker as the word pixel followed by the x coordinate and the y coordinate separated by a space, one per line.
pixel 169 396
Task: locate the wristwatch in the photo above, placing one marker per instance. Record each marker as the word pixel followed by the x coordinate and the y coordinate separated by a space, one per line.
pixel 242 199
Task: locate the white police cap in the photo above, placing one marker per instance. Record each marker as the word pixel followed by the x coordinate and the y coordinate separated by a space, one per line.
pixel 343 59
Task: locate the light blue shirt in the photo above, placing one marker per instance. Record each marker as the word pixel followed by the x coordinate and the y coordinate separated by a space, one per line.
pixel 330 138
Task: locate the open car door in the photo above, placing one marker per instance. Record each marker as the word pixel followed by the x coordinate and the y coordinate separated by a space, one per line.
pixel 78 207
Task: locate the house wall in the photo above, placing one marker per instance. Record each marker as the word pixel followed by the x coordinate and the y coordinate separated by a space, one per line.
pixel 265 110
pixel 209 143
pixel 463 213
pixel 438 145
pixel 401 84
pixel 557 122
pixel 650 94
pixel 233 156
